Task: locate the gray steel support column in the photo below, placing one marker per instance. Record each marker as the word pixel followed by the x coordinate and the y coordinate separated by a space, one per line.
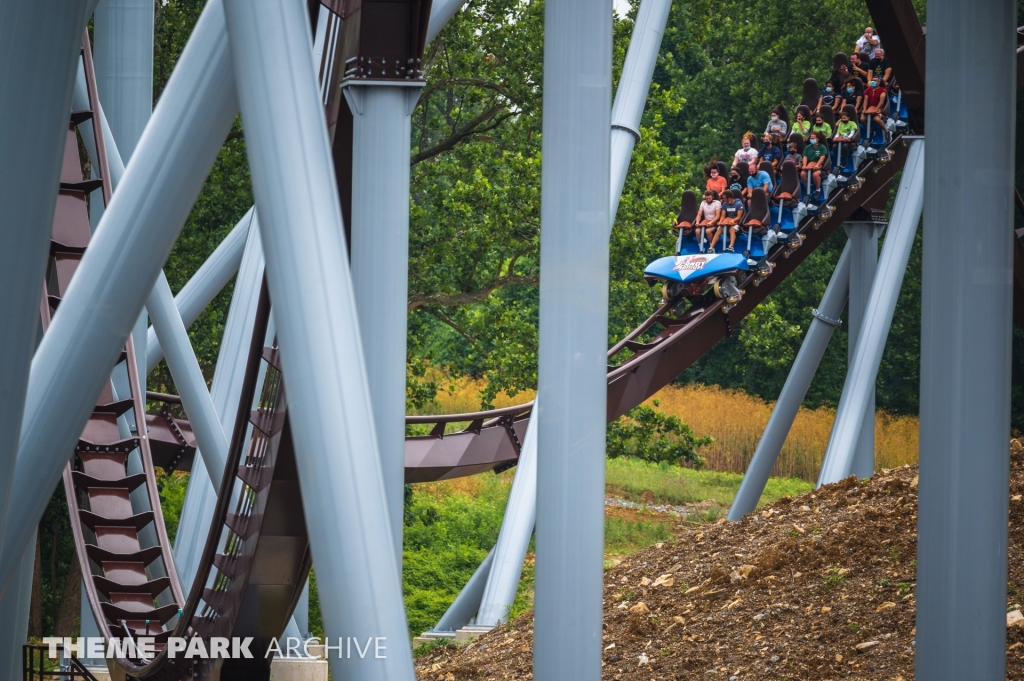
pixel 123 52
pixel 467 603
pixel 965 343
pixel 211 277
pixel 14 605
pixel 572 372
pixel 318 334
pixel 885 291
pixel 380 233
pixel 138 229
pixel 863 265
pixel 812 349
pixel 208 280
pixel 514 537
pixel 39 43
pixel 226 391
pixel 441 12
pixel 631 93
pixel 189 379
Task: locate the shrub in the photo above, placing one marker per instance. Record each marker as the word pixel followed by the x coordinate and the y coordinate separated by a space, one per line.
pixel 648 434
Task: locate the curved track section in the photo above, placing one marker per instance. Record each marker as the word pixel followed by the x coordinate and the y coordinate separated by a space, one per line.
pixel 110 483
pixel 256 557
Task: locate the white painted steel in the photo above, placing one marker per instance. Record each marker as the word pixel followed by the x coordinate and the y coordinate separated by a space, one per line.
pixel 308 273
pixel 572 372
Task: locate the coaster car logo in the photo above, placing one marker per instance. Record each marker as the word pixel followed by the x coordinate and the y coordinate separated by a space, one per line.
pixel 689 262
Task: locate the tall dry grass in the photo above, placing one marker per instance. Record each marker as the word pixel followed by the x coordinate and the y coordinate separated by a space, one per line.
pixel 736 420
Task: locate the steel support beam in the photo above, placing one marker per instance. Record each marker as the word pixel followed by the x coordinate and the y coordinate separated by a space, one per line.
pixel 631 93
pixel 208 280
pixel 318 333
pixel 863 265
pixel 441 12
pixel 188 379
pixel 15 604
pixel 467 603
pixel 381 128
pixel 630 98
pixel 572 372
pixel 123 54
pixel 138 230
pixel 514 536
pixel 39 43
pixel 812 349
pixel 226 391
pixel 211 277
pixel 885 291
pixel 966 293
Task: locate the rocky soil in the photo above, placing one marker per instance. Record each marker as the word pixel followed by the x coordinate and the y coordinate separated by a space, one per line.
pixel 819 586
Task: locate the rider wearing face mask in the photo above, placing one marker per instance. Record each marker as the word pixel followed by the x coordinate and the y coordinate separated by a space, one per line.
pixel 716 182
pixel 828 97
pixel 875 100
pixel 815 154
pixel 777 124
pixel 853 93
pixel 747 152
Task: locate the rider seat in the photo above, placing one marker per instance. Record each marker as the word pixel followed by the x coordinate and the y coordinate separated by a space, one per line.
pixel 811 94
pixel 688 208
pixel 758 215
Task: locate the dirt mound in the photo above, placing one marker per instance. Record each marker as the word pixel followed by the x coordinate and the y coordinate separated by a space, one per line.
pixel 819 586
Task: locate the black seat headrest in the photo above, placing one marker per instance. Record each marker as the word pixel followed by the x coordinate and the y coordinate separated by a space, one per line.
pixel 743 168
pixel 766 166
pixel 827 115
pixel 840 59
pixel 789 182
pixel 850 111
pixel 723 169
pixel 758 208
pixel 811 94
pixel 688 207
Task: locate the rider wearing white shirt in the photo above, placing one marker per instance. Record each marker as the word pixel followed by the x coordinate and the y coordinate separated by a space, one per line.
pixel 868 42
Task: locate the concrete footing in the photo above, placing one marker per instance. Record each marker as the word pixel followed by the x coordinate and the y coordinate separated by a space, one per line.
pixel 466 633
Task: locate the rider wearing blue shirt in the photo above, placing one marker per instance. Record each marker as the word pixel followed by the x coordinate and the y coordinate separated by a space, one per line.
pixel 770 151
pixel 761 179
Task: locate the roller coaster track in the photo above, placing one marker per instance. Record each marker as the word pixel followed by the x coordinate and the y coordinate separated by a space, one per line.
pixel 256 556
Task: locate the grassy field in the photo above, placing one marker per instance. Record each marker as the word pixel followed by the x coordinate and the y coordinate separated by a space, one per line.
pixel 736 420
pixel 667 484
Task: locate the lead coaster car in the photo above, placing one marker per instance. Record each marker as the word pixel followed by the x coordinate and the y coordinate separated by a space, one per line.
pixel 693 275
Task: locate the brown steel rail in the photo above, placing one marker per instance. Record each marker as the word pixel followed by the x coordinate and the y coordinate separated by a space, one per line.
pixel 129 574
pixel 118 529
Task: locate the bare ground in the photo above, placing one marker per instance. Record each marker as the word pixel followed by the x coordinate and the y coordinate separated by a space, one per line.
pixel 818 586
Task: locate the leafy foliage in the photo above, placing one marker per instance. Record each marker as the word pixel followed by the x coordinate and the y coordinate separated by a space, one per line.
pixel 650 435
